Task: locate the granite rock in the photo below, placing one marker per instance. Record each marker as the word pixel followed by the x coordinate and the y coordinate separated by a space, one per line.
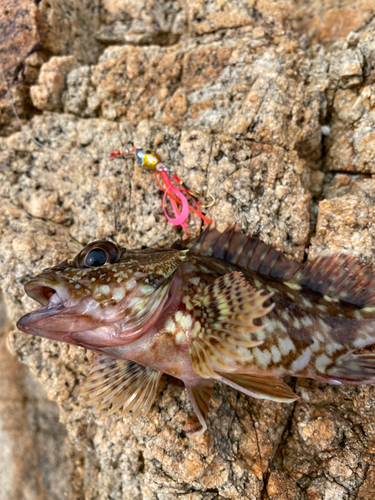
pixel 37 461
pixel 327 22
pixel 277 129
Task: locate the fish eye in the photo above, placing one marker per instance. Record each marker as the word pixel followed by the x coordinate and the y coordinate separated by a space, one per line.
pixel 98 253
pixel 96 257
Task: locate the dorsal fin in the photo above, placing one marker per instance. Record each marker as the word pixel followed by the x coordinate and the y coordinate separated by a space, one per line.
pixel 341 277
pixel 245 251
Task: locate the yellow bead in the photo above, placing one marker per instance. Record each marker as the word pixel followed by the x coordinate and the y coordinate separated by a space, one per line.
pixel 150 161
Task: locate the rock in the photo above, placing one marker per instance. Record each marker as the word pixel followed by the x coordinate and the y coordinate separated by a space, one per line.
pixel 327 22
pixel 351 95
pixel 37 461
pixel 346 218
pixel 142 22
pixel 366 490
pixel 46 95
pixel 30 35
pixel 70 29
pixel 16 44
pixel 278 132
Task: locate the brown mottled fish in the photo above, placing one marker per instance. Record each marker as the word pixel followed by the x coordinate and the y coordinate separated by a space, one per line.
pixel 223 306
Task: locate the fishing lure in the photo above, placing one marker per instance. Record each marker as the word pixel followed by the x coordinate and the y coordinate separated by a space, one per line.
pixel 147 158
pixel 222 306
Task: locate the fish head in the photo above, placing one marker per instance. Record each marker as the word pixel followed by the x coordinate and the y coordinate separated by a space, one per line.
pixel 106 296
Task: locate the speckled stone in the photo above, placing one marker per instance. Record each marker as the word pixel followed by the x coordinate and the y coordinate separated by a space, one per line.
pixel 279 130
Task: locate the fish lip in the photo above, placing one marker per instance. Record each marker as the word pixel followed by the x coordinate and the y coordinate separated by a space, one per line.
pixel 26 322
pixel 45 286
pixel 51 292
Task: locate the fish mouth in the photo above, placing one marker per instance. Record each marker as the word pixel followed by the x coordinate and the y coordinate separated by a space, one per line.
pixel 42 289
pixel 53 296
pixel 58 321
pixel 61 313
pixel 60 318
pixel 29 322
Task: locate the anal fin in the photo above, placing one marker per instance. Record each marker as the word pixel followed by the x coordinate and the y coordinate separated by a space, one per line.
pixel 354 369
pixel 200 394
pixel 259 386
pixel 121 385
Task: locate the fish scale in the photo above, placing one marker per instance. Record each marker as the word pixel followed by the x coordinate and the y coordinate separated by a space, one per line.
pixel 222 306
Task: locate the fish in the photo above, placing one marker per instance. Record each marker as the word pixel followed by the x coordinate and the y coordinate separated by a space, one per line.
pixel 223 306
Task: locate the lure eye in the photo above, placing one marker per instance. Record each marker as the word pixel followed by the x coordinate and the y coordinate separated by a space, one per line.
pixel 139 157
pixel 98 253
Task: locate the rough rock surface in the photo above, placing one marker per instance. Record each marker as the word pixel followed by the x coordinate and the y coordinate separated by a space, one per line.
pixel 268 108
pixel 37 461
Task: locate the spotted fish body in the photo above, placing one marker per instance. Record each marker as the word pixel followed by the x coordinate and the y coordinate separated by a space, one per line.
pixel 220 307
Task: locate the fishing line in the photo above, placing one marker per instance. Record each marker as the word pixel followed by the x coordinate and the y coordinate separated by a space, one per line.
pixel 145 158
pixel 148 159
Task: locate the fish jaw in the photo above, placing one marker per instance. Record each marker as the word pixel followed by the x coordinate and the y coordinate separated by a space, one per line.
pixel 74 316
pixel 57 301
pixel 62 316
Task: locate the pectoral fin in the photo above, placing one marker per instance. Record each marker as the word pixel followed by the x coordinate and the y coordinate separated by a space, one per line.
pixel 223 328
pixel 260 387
pixel 121 385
